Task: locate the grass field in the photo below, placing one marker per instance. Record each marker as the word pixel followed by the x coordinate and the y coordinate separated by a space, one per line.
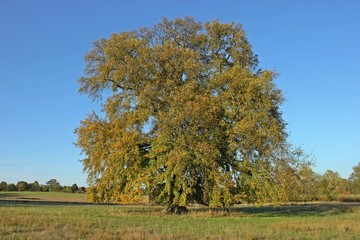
pixel 37 220
pixel 43 196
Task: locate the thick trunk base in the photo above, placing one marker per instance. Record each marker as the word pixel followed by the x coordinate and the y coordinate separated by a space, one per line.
pixel 177 210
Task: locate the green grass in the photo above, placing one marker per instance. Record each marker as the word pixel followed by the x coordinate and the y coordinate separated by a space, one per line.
pixel 68 221
pixel 43 196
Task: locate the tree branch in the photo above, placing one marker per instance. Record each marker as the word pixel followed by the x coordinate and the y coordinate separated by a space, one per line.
pixel 118 85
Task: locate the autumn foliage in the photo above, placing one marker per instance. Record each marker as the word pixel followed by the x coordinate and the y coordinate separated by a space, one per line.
pixel 188 116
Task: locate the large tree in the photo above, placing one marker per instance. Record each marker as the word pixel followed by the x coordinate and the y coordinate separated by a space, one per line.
pixel 187 117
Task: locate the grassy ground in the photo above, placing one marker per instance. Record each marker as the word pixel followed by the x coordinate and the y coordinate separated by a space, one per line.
pixel 36 220
pixel 43 196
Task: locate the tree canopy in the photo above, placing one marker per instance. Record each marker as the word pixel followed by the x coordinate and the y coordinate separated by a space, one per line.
pixel 188 116
pixel 355 179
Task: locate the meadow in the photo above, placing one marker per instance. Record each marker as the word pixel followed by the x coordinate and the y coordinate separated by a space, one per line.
pixel 43 197
pixel 22 218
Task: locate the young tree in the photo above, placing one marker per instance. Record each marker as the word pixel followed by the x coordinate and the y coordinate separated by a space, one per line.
pixel 3 186
pixel 35 186
pixel 82 190
pixel 74 188
pixel 11 187
pixel 22 186
pixel 333 185
pixel 67 189
pixel 355 179
pixel 187 116
pixel 309 190
pixel 53 185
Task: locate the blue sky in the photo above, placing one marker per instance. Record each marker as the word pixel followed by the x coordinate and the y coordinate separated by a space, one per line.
pixel 313 45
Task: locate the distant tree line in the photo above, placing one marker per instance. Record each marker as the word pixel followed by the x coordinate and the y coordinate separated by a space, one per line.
pixel 51 186
pixel 329 186
pixel 307 186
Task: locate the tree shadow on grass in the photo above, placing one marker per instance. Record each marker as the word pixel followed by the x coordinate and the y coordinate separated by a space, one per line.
pixel 293 210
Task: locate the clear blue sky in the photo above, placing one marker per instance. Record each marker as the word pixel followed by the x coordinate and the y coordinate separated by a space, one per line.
pixel 314 45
